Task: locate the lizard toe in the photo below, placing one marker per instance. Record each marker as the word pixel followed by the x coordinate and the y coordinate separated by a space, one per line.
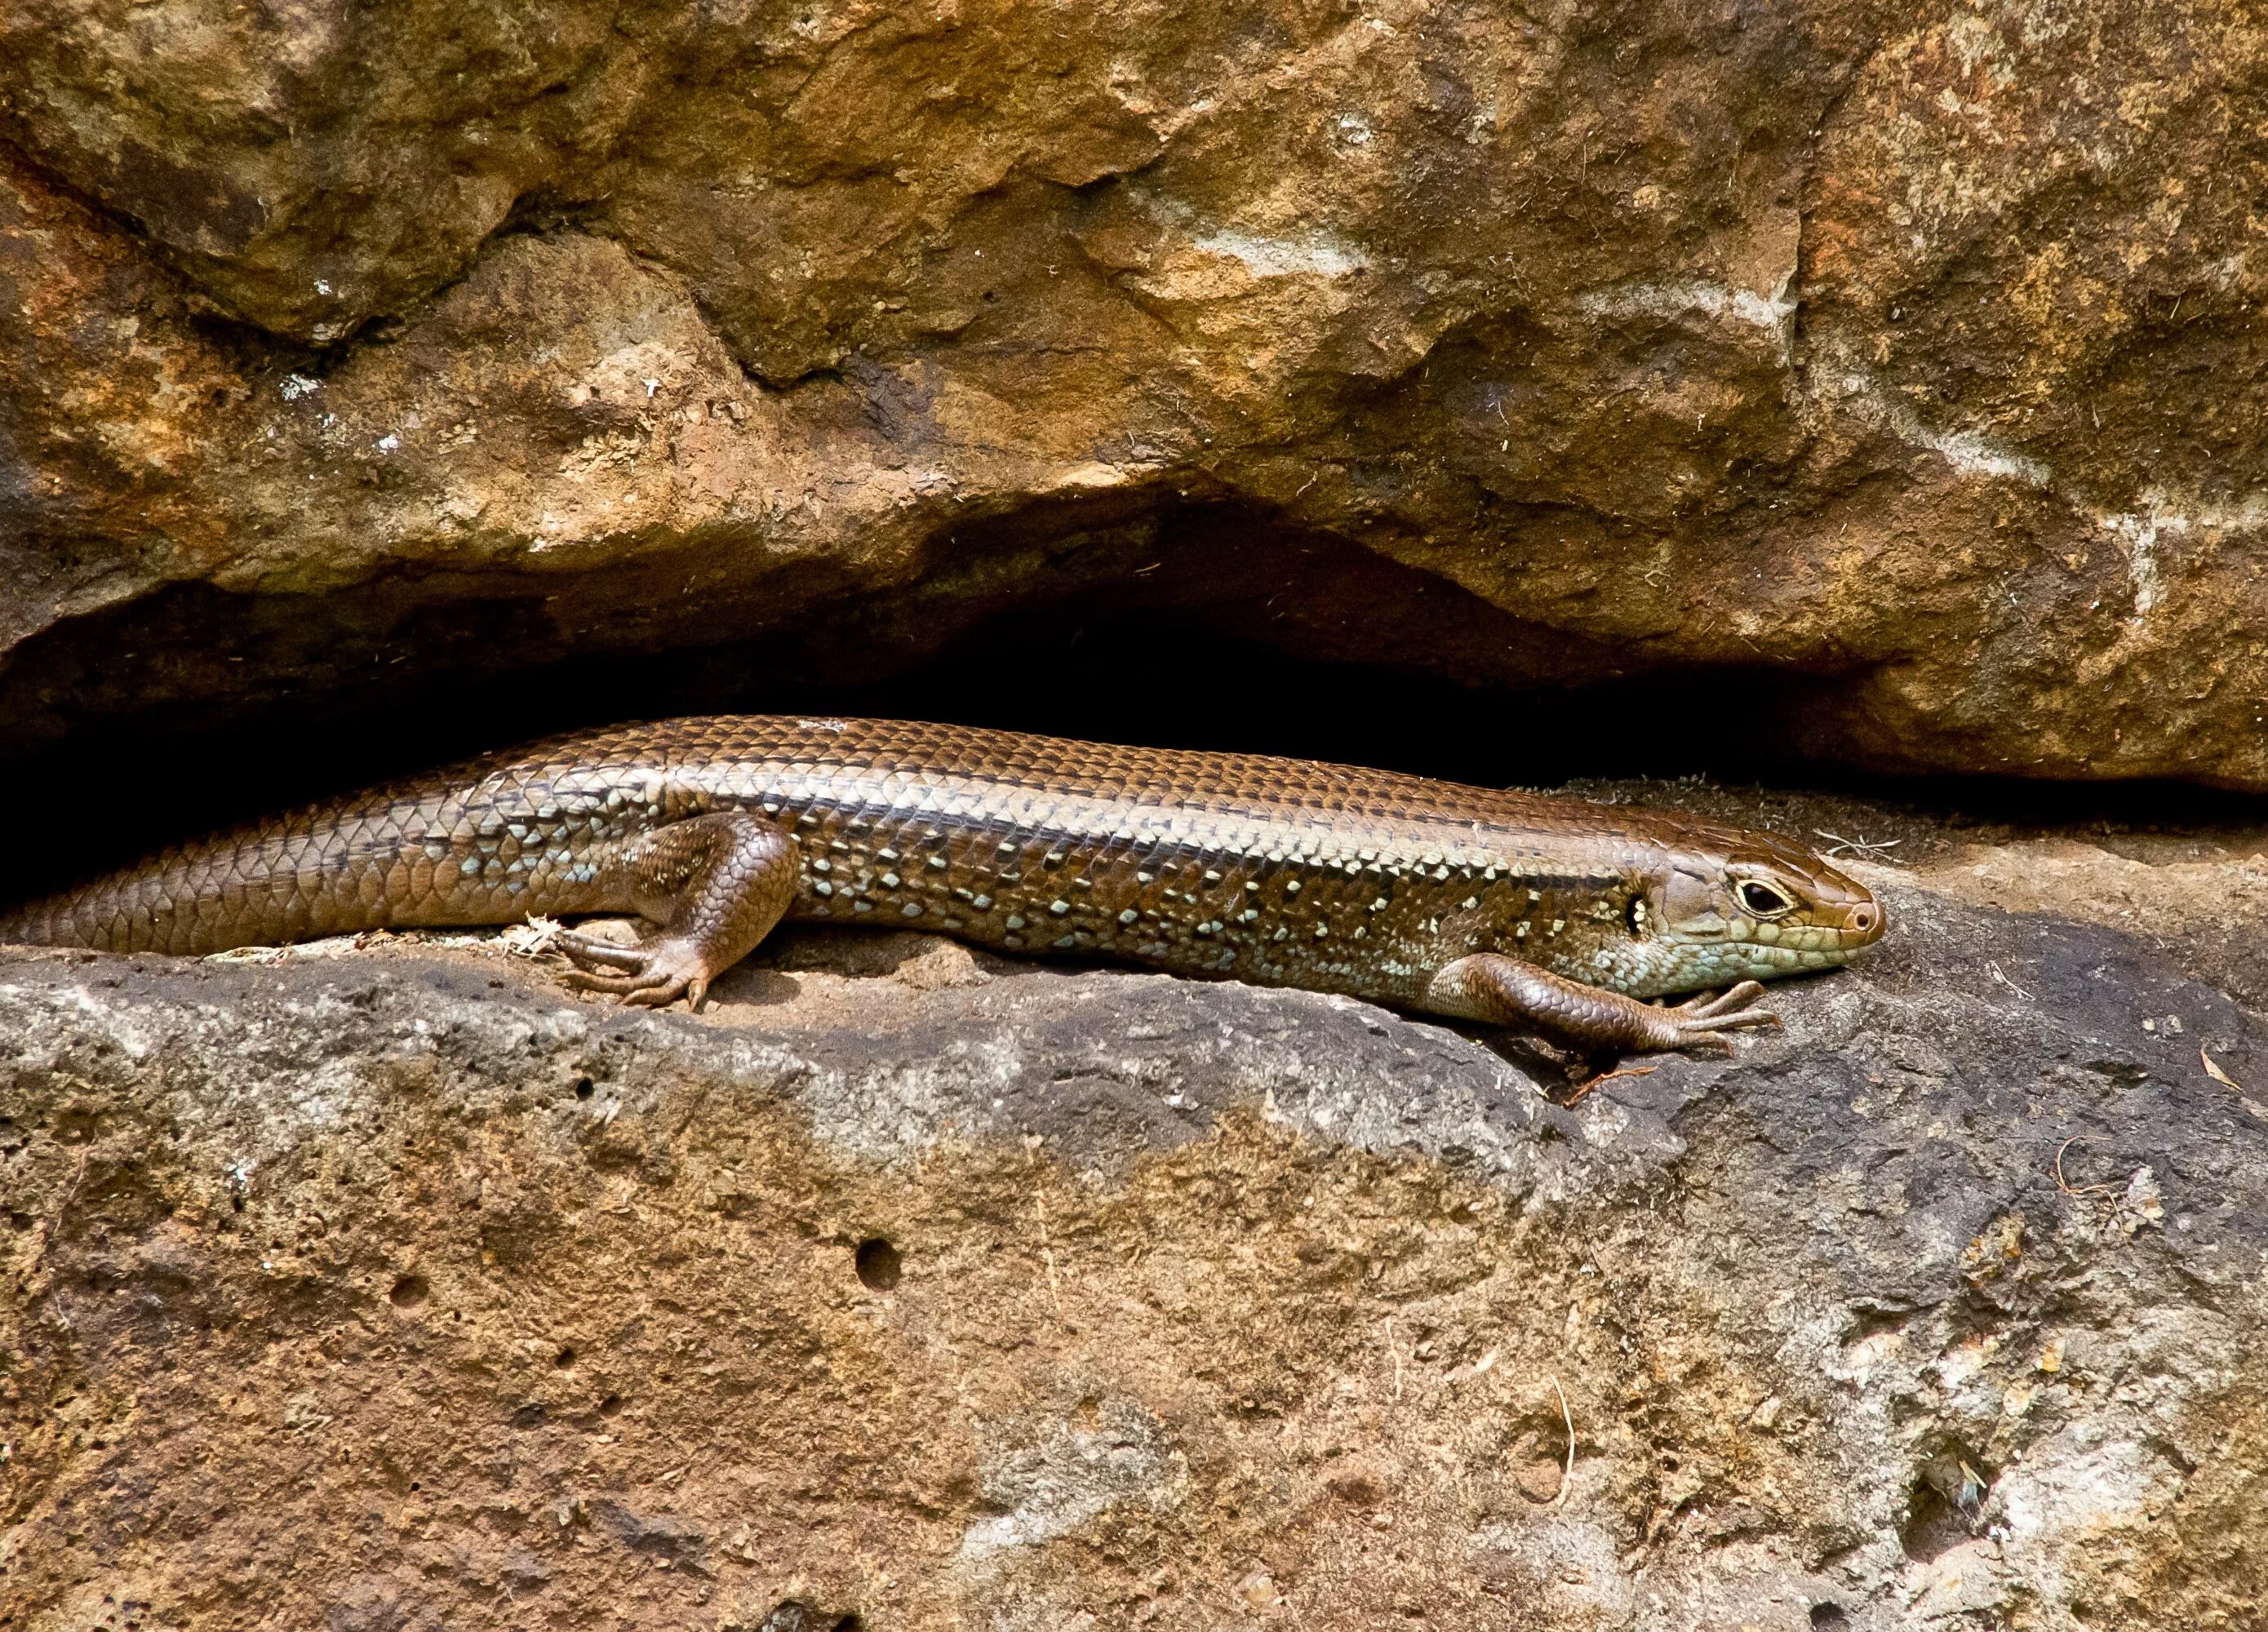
pixel 584 952
pixel 1707 1007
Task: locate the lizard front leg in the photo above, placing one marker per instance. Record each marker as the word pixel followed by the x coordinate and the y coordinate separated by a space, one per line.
pixel 1505 991
pixel 716 884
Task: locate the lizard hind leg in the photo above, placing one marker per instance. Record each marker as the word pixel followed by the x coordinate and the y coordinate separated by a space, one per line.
pixel 716 884
pixel 1505 991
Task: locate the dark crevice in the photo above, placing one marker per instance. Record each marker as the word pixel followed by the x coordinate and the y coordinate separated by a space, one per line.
pixel 1182 624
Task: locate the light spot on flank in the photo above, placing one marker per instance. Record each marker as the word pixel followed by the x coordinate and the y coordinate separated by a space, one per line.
pixel 1058 908
pixel 1128 916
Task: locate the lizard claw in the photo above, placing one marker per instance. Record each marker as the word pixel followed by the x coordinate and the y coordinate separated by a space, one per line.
pixel 654 976
pixel 1702 1023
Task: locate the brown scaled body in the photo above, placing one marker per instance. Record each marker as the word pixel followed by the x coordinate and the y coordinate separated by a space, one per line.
pixel 1556 916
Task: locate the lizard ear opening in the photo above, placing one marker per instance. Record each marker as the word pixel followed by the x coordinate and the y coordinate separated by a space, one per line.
pixel 1690 904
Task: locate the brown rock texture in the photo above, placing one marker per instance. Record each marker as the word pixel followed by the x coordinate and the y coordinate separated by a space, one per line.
pixel 394 1288
pixel 1908 352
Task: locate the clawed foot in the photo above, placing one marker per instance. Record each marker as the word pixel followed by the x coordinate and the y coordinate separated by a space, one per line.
pixel 1699 1025
pixel 653 976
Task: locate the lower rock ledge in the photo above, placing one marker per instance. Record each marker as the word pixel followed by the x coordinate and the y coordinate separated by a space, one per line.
pixel 904 1289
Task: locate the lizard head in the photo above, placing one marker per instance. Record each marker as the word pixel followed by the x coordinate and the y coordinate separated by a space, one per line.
pixel 1735 906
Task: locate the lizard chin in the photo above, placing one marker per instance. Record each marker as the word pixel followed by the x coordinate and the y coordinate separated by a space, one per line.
pixel 1755 918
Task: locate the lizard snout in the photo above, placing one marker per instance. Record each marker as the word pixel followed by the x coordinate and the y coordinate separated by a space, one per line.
pixel 1864 922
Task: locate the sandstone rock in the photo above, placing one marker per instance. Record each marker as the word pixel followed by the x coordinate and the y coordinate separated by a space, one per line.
pixel 1907 353
pixel 394 1288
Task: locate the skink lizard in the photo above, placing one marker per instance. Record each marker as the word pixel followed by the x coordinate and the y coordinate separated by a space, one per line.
pixel 1556 916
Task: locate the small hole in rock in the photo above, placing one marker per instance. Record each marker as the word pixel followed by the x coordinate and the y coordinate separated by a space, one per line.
pixel 564 1358
pixel 610 1405
pixel 1829 1616
pixel 583 1088
pixel 850 1623
pixel 530 1416
pixel 879 1264
pixel 410 1291
pixel 1936 1521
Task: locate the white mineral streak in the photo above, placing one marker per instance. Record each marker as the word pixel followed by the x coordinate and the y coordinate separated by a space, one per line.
pixel 2162 515
pixel 1316 254
pixel 2139 532
pixel 1969 453
pixel 1720 301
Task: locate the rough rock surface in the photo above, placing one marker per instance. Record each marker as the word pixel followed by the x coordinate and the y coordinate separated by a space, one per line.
pixel 1911 349
pixel 392 1289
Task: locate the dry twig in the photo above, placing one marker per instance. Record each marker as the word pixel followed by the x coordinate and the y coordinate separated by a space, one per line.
pixel 1568 1418
pixel 1865 849
pixel 2065 1184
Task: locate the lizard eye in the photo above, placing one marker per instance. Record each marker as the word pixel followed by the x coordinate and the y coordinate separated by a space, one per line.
pixel 1763 900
